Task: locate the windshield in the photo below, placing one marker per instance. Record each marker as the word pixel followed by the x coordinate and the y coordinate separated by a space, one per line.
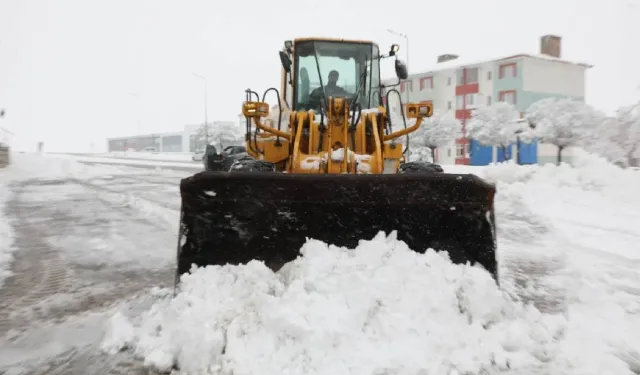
pixel 342 69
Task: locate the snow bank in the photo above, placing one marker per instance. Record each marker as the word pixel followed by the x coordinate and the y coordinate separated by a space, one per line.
pixel 131 161
pixel 589 172
pixel 378 309
pixel 6 232
pixel 167 156
pixel 43 166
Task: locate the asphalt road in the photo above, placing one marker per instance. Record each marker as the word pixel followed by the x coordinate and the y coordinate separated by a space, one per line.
pixel 83 246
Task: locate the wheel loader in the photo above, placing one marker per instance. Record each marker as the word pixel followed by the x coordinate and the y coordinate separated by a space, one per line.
pixel 331 167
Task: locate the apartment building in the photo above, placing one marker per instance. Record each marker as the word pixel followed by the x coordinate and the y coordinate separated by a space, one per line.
pixel 521 79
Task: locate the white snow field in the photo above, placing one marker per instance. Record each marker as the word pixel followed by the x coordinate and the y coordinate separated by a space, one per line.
pixel 569 302
pixel 75 240
pixel 180 163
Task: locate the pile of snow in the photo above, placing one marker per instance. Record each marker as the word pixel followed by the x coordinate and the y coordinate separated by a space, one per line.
pixel 589 172
pixel 377 309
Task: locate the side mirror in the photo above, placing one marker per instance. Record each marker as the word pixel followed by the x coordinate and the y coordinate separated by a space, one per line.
pixel 394 49
pixel 286 62
pixel 401 70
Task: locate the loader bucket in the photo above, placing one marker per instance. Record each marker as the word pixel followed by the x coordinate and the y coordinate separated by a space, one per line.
pixel 234 217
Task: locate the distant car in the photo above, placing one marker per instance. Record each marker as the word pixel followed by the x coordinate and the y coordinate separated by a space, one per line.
pixel 149 149
pixel 232 150
pixel 214 161
pixel 198 155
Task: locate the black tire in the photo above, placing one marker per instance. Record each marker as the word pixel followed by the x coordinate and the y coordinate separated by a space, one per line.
pixel 249 164
pixel 420 167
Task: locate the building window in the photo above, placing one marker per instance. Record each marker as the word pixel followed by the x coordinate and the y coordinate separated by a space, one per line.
pixel 489 76
pixel 426 83
pixel 472 76
pixel 508 96
pixel 449 81
pixel 508 70
pixel 459 101
pixel 466 76
pixel 449 104
pixel 460 150
pixel 488 100
pixel 406 86
pixel 448 152
pixel 471 100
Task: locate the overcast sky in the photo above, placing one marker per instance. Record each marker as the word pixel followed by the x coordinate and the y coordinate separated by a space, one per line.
pixel 73 72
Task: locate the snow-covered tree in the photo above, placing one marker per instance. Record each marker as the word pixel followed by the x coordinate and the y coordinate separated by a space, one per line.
pixel 438 131
pixel 495 125
pixel 628 133
pixel 608 141
pixel 220 134
pixel 563 122
pixel 275 114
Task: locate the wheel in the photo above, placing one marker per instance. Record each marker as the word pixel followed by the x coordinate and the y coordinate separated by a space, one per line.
pixel 249 164
pixel 418 167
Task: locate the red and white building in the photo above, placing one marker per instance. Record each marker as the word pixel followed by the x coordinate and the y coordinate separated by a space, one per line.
pixel 462 85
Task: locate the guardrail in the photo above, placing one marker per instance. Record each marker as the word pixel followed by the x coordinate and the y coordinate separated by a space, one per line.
pixel 4 155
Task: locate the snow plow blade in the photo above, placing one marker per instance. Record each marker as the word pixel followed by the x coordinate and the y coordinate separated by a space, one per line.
pixel 234 217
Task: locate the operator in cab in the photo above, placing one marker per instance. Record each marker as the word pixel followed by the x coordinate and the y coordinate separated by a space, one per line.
pixel 316 98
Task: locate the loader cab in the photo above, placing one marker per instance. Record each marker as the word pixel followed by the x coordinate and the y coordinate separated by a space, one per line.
pixel 316 62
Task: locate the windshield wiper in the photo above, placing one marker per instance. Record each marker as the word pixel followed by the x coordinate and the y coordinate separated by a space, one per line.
pixel 324 96
pixel 361 83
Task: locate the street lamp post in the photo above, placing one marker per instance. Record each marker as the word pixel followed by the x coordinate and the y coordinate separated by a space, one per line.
pixel 204 80
pixel 137 110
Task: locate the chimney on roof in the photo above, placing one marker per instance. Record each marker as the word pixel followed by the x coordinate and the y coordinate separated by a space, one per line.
pixel 447 57
pixel 550 45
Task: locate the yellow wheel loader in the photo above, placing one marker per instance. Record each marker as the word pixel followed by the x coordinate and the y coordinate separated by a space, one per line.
pixel 331 169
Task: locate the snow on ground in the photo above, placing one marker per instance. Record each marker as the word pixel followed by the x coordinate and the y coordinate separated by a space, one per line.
pixel 174 156
pixel 6 233
pixel 85 237
pixel 196 166
pixel 37 167
pixel 383 309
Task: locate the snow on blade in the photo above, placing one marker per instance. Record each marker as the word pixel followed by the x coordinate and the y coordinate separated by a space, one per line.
pixel 380 308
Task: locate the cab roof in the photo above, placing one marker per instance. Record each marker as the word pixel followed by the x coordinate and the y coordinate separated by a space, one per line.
pixel 320 39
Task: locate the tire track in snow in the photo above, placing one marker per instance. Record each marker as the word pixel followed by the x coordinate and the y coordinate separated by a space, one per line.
pixel 38 270
pixel 534 277
pixel 41 273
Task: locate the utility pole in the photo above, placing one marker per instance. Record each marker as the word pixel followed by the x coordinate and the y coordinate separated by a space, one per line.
pixel 139 131
pixel 206 120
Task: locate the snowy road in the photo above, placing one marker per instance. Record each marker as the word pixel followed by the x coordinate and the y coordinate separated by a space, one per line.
pixel 91 239
pixel 81 243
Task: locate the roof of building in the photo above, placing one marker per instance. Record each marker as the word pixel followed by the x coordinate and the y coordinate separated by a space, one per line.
pixel 462 62
pixel 140 136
